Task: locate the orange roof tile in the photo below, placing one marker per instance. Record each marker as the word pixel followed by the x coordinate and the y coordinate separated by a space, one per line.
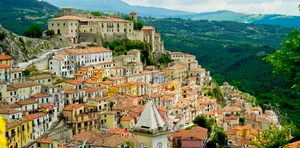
pixel 5 57
pixel 74 82
pixel 58 59
pixel 13 123
pixel 148 28
pixel 34 116
pixel 40 95
pixel 26 102
pixel 107 82
pixel 70 91
pixel 2 66
pixel 44 140
pixel 87 90
pixel 133 13
pixel 71 106
pixel 127 118
pixel 196 132
pixel 116 131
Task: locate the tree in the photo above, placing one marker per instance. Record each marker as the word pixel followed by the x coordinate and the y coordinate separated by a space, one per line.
pixel 242 121
pixel 33 31
pixel 2 36
pixel 50 33
pixel 138 25
pixel 219 138
pixel 273 137
pixel 128 144
pixel 201 120
pixel 96 13
pixel 287 60
pixel 128 18
pixel 165 59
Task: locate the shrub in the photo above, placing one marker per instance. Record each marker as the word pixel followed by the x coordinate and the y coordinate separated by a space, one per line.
pixel 50 33
pixel 2 36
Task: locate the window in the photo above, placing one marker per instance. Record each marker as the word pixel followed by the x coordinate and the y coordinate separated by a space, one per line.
pixel 52 24
pixel 64 24
pixel 71 24
pixel 57 24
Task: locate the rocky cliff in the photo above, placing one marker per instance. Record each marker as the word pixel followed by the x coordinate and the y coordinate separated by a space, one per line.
pixel 23 48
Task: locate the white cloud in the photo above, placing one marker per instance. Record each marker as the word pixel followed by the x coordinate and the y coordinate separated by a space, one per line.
pixel 288 7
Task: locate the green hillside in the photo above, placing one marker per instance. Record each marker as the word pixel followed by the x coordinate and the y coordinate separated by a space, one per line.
pixel 17 15
pixel 233 52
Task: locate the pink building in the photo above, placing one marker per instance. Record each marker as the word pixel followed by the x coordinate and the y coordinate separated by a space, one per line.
pixel 193 138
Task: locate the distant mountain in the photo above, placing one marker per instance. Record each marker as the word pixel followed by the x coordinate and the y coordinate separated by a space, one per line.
pixel 17 15
pixel 117 6
pixel 268 19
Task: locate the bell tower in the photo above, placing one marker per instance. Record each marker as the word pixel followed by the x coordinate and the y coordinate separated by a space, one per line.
pixel 151 130
pixel 133 16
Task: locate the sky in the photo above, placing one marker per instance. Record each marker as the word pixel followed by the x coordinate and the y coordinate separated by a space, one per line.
pixel 287 7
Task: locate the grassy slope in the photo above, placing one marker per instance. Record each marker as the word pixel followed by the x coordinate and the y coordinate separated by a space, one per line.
pixel 17 15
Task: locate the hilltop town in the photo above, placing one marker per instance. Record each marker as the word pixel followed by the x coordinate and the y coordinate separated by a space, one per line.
pixel 89 97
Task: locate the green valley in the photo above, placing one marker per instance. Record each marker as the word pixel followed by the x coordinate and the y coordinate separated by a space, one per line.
pixel 233 52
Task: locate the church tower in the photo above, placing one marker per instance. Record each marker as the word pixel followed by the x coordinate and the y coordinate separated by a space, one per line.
pixel 151 130
pixel 133 16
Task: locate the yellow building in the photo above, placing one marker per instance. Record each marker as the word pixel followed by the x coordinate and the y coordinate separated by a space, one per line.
pixel 18 133
pixel 109 119
pixel 118 89
pixel 128 123
pixel 5 67
pixel 132 88
pixel 46 143
pixel 176 71
pixel 81 117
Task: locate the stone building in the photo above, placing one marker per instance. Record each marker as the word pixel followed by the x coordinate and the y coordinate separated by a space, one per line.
pixel 80 26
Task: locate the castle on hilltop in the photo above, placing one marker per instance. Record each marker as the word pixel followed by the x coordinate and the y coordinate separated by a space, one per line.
pixel 80 26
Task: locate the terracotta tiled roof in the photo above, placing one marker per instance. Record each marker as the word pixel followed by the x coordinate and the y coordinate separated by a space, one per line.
pixel 88 51
pixel 34 116
pixel 97 140
pixel 91 82
pixel 24 84
pixel 13 123
pixel 127 118
pixel 71 106
pixel 8 111
pixel 40 95
pixel 48 106
pixel 74 82
pixel 5 57
pixel 107 82
pixel 44 140
pixel 39 77
pixel 197 70
pixel 26 102
pixel 2 66
pixel 63 53
pixel 148 28
pixel 133 13
pixel 293 145
pixel 87 90
pixel 71 91
pixel 174 53
pixel 196 132
pixel 117 131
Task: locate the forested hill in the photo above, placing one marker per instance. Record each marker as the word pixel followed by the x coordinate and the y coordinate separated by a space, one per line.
pixel 233 52
pixel 17 15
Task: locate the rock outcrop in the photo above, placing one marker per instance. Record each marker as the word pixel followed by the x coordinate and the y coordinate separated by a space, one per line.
pixel 23 48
